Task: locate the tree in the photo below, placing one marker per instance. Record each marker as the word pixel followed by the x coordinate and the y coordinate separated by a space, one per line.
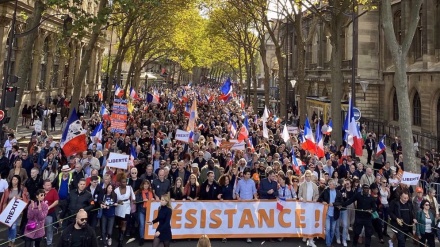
pixel 399 54
pixel 99 22
pixel 24 70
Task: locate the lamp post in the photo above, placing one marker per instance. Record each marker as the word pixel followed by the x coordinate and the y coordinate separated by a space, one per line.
pixel 293 83
pixel 108 64
pixel 287 69
pixel 354 59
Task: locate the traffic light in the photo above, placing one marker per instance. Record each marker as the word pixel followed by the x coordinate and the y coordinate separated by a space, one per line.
pixel 10 96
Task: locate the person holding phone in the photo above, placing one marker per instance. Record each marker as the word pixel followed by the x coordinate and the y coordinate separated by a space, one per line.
pixel 163 231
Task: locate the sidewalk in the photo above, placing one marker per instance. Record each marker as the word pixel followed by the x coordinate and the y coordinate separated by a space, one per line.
pixel 23 134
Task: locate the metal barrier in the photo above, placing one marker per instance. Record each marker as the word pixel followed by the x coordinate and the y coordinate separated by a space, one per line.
pixel 425 140
pixel 436 186
pixel 425 185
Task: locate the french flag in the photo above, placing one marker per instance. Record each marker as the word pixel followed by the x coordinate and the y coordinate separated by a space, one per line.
pixel 381 146
pixel 209 98
pixel 152 98
pixel 133 153
pixel 276 119
pixel 104 113
pixel 171 107
pixel 232 128
pixel 226 88
pixel 295 162
pixel 184 96
pixel 192 117
pixel 242 102
pixel 329 128
pixel 281 202
pixel 187 110
pixel 119 92
pixel 244 131
pixel 97 132
pixel 73 141
pixel 133 93
pixel 320 142
pixel 309 143
pixel 354 138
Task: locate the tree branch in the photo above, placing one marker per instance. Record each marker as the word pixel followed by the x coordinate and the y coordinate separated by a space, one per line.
pixel 413 23
pixel 388 27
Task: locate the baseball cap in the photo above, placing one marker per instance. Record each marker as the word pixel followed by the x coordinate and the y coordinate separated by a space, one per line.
pixel 419 189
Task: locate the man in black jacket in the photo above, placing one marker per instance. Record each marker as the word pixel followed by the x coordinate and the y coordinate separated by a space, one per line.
pixel 78 199
pixel 97 195
pixel 332 198
pixel 402 218
pixel 79 233
pixel 365 206
pixel 210 189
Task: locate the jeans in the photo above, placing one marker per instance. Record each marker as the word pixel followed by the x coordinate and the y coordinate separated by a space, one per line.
pixel 49 229
pixel 12 232
pixel 401 238
pixel 141 216
pixel 343 220
pixel 385 217
pixel 107 226
pixel 330 225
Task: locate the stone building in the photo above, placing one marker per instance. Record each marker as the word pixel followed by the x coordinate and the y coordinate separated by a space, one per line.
pixel 53 67
pixel 375 69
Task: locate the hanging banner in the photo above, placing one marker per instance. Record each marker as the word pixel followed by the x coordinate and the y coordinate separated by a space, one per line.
pixel 12 211
pixel 118 117
pixel 119 161
pixel 242 219
pixel 409 178
pixel 182 135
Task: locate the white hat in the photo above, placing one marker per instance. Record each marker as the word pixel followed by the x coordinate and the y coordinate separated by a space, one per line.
pixel 66 168
pixel 194 165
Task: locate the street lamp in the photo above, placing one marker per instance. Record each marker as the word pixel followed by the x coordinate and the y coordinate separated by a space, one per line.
pixel 293 83
pixel 364 85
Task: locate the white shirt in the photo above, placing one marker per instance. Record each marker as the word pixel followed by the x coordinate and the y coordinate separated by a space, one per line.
pixel 3 185
pixel 124 209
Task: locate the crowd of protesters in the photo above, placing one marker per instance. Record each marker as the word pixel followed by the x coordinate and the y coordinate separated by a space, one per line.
pixel 365 199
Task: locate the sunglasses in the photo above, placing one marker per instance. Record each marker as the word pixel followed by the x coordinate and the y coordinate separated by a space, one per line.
pixel 83 219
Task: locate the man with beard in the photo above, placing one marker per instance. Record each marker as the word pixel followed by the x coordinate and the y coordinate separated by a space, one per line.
pixel 209 167
pixel 79 234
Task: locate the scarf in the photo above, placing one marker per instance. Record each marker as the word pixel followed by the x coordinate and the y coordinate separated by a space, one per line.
pixel 146 195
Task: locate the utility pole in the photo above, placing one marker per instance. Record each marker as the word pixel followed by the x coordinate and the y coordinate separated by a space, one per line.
pixel 354 59
pixel 287 69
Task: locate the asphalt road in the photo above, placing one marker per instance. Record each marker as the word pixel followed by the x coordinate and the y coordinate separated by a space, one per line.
pixel 215 242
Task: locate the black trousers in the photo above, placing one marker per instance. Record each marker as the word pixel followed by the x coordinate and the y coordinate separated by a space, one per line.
pixel 428 237
pixel 367 224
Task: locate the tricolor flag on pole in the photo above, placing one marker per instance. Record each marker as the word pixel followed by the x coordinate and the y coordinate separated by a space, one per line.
pixel 152 98
pixel 73 140
pixel 119 92
pixel 104 113
pixel 381 146
pixel 171 107
pixel 309 143
pixel 97 133
pixel 281 202
pixel 133 93
pixel 320 142
pixel 354 138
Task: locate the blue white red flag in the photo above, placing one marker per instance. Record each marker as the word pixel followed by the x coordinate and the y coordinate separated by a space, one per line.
pixel 73 140
pixel 97 132
pixel 381 146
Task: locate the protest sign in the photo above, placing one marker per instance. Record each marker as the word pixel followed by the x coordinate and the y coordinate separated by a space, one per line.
pixel 38 126
pixel 118 117
pixel 409 178
pixel 238 146
pixel 12 211
pixel 245 219
pixel 182 135
pixel 119 161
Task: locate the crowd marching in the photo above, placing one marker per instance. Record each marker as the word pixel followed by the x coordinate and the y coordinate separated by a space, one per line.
pixel 80 195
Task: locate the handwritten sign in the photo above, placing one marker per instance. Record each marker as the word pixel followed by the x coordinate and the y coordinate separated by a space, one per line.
pixel 12 211
pixel 119 161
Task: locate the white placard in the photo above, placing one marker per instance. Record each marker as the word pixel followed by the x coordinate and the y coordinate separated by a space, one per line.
pixel 38 126
pixel 119 161
pixel 410 178
pixel 12 211
pixel 238 146
pixel 182 135
pixel 292 130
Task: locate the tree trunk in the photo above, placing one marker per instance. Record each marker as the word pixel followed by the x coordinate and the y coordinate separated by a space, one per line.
pixel 25 66
pixel 301 84
pixel 336 81
pixel 263 54
pixel 255 84
pixel 79 79
pixel 399 54
pixel 281 83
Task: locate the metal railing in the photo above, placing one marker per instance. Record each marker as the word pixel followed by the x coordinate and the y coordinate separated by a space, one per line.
pixel 425 141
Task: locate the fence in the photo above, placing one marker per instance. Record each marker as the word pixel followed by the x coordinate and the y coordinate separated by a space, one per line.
pixel 426 141
pixel 426 186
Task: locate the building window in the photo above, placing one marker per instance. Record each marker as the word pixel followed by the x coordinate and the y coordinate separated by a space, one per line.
pixel 418 38
pixel 417 110
pixel 398 26
pixel 56 68
pixel 395 107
